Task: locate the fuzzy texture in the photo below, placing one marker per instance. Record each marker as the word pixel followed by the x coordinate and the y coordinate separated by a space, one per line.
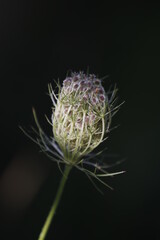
pixel 79 115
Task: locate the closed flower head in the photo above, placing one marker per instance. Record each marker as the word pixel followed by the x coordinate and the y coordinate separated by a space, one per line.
pixel 81 117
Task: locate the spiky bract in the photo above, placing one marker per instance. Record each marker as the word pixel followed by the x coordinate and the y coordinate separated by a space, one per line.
pixel 81 117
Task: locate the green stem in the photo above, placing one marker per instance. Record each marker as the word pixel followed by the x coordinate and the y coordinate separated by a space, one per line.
pixel 55 204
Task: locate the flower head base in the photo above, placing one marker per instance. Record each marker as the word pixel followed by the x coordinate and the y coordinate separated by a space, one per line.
pixel 79 115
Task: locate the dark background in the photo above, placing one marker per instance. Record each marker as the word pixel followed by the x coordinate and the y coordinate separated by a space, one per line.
pixel 41 41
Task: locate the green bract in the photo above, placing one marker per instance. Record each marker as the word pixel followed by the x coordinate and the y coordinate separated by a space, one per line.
pixel 81 117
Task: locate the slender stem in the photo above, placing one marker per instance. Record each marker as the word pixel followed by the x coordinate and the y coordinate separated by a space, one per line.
pixel 55 204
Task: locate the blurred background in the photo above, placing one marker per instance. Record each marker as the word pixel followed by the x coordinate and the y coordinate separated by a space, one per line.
pixel 39 42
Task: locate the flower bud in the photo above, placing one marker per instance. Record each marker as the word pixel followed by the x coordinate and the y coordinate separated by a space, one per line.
pixel 79 115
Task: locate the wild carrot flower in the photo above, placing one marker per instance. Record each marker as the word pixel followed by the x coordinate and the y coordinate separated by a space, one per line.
pixel 81 117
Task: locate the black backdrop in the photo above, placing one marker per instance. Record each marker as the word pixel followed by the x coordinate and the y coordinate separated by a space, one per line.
pixel 41 41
